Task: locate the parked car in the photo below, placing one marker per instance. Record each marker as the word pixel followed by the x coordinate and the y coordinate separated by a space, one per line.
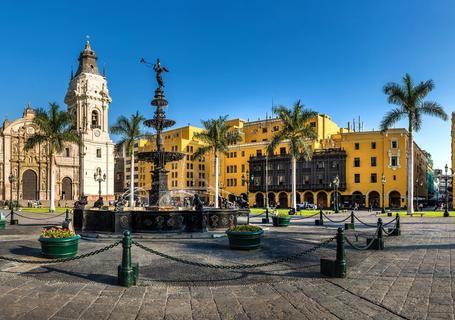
pixel 306 206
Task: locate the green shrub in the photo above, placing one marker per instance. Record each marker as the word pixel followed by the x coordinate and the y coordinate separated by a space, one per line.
pixel 282 214
pixel 245 228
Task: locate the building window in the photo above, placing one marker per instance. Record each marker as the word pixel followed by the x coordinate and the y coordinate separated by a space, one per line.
pixel 373 178
pixel 357 146
pixel 394 144
pixel 373 145
pixel 394 177
pixel 264 130
pixel 280 180
pixel 356 162
pixel 276 128
pixel 243 168
pixel 67 152
pixel 283 150
pixel 243 153
pixel 258 153
pixel 98 153
pixel 373 161
pixel 313 124
pixel 357 178
pixel 394 161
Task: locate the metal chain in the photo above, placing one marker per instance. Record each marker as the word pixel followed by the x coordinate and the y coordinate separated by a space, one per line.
pixel 386 224
pixel 335 221
pixel 364 223
pixel 387 232
pixel 304 217
pixel 85 255
pixel 235 267
pixel 40 219
pixel 361 248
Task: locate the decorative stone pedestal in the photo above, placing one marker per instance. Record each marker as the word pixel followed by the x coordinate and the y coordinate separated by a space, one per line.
pixel 333 268
pixel 378 243
pixel 394 232
pixel 349 226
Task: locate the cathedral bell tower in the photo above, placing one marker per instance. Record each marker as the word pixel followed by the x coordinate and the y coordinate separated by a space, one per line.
pixel 88 101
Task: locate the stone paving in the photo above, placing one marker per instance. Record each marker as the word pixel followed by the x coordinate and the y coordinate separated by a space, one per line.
pixel 410 279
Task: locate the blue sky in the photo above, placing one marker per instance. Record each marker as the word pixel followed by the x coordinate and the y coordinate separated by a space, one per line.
pixel 233 57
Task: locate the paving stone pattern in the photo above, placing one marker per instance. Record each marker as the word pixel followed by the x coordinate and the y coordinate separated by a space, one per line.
pixel 410 279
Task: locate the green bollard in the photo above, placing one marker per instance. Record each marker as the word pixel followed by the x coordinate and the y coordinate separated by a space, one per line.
pixel 336 268
pixel 395 231
pixel 320 221
pixel 351 225
pixel 378 242
pixel 127 272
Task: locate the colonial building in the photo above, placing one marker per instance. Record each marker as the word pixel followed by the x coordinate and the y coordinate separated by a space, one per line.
pixel 371 166
pixel 88 100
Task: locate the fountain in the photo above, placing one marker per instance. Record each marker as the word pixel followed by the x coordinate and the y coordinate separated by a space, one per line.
pixel 161 215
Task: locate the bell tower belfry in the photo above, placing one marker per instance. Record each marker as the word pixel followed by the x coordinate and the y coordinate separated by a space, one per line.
pixel 88 101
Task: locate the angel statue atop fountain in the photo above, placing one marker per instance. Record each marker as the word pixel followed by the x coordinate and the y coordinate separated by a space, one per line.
pixel 159 70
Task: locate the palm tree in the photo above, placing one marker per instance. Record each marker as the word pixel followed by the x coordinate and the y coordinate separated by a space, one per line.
pixel 129 131
pixel 298 133
pixel 217 137
pixel 55 128
pixel 411 104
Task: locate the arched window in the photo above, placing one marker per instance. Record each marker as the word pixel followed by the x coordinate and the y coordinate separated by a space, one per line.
pixel 95 119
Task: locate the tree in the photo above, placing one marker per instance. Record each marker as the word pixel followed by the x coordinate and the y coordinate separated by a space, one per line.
pixel 129 130
pixel 298 134
pixel 56 130
pixel 217 137
pixel 410 103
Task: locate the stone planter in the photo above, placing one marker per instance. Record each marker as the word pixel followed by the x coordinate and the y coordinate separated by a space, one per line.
pixel 59 247
pixel 281 221
pixel 245 240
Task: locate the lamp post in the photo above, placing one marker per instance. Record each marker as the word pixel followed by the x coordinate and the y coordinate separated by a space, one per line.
pixel 446 211
pixel 11 179
pixel 100 178
pixel 335 183
pixel 383 181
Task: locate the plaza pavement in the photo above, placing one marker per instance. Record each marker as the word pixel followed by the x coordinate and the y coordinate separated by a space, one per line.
pixel 410 279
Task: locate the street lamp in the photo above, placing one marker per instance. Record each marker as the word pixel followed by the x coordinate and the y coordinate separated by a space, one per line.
pixel 335 183
pixel 100 178
pixel 383 181
pixel 11 179
pixel 446 211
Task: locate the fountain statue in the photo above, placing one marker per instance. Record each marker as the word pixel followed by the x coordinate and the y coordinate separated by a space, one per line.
pixel 161 215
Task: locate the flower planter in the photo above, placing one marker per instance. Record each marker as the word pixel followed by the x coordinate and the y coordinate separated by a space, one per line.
pixel 59 247
pixel 245 240
pixel 281 221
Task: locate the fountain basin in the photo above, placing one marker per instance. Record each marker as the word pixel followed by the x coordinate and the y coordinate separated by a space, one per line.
pixel 209 219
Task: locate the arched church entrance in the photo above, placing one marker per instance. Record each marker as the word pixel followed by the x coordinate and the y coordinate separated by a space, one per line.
pixel 29 185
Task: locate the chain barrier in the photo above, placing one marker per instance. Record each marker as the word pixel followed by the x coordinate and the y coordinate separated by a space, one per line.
pixel 304 217
pixel 82 256
pixel 387 233
pixel 40 219
pixel 336 221
pixel 361 248
pixel 386 224
pixel 235 267
pixel 364 223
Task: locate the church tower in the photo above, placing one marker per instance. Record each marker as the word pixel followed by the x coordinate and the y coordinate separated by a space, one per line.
pixel 88 100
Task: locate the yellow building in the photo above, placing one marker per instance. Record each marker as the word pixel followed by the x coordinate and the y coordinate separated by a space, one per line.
pixel 359 159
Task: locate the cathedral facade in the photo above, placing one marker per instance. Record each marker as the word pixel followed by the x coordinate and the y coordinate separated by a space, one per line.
pixel 26 174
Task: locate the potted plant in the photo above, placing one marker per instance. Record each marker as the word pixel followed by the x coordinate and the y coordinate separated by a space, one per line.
pixel 245 237
pixel 282 219
pixel 59 242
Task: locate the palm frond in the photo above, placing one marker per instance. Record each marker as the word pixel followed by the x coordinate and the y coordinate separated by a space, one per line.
pixel 391 118
pixel 35 140
pixel 201 152
pixel 433 108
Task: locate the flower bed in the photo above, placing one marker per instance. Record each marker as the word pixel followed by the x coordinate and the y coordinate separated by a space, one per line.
pixel 59 243
pixel 245 237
